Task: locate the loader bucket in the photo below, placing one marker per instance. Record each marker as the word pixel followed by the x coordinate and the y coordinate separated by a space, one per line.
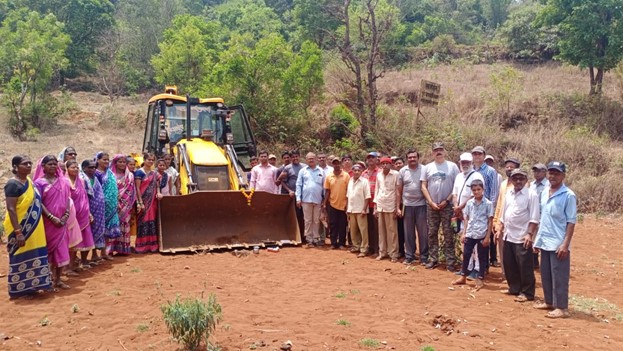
pixel 207 220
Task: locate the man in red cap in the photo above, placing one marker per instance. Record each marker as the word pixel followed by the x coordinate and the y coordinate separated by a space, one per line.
pixel 387 209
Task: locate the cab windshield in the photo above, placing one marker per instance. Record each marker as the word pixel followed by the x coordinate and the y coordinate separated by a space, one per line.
pixel 202 118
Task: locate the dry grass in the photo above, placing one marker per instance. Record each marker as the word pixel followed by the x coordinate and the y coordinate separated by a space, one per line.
pixel 550 118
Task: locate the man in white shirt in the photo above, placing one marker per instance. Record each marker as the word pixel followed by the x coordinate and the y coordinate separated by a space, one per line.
pixel 519 220
pixel 358 194
pixel 387 209
pixel 540 182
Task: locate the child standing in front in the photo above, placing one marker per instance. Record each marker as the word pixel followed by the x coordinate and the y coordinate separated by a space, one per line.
pixel 478 219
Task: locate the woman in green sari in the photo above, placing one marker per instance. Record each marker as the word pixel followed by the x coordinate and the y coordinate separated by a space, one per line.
pixel 29 272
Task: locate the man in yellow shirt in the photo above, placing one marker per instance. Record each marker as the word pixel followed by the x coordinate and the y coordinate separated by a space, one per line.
pixel 335 201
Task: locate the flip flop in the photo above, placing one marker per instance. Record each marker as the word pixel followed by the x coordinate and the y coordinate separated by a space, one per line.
pixel 521 298
pixel 558 313
pixel 71 274
pixel 543 306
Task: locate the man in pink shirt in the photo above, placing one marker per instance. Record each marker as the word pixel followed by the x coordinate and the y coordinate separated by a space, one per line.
pixel 263 176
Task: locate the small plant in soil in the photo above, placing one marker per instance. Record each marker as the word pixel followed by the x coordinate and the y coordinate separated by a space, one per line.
pixel 44 321
pixel 141 328
pixel 135 270
pixel 343 322
pixel 427 348
pixel 75 308
pixel 340 295
pixel 370 343
pixel 191 321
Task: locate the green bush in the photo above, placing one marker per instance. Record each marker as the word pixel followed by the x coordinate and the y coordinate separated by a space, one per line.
pixel 341 122
pixel 191 321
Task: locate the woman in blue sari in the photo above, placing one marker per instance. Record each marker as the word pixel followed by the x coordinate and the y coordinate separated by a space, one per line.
pixel 97 206
pixel 29 271
pixel 111 193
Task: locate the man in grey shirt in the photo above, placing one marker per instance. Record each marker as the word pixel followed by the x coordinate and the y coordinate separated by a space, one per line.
pixel 437 183
pixel 414 213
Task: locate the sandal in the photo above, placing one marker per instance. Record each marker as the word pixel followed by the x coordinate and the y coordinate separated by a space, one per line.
pixel 543 306
pixel 558 313
pixel 108 258
pixel 71 273
pixel 62 285
pixel 521 298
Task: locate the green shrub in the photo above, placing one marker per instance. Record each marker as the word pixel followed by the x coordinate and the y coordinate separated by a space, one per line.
pixel 191 321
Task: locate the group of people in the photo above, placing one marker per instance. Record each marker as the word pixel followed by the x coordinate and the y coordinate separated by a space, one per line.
pixel 389 208
pixel 69 210
pixel 381 206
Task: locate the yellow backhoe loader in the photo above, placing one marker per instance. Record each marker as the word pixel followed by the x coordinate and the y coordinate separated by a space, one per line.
pixel 212 145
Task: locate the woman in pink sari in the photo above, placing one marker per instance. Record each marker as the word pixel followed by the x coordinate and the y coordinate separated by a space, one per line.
pixel 83 215
pixel 125 205
pixel 56 201
pixel 148 194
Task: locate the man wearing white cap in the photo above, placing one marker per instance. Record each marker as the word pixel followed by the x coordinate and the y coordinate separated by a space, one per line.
pixel 462 191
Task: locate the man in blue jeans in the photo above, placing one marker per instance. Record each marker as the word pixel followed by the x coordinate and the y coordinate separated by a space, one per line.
pixel 410 188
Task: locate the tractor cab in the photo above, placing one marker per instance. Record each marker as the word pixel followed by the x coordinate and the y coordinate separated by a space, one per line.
pixel 172 118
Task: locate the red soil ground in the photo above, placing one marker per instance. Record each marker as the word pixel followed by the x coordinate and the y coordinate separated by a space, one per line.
pixel 299 294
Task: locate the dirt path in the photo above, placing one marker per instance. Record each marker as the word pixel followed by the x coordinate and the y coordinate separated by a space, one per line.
pixel 300 294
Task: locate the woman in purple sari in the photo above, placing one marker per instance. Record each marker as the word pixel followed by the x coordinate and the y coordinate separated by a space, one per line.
pixel 56 200
pixel 97 204
pixel 111 195
pixel 125 205
pixel 83 216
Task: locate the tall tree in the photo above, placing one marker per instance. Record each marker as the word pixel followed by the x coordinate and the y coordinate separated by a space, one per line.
pixel 85 21
pixel 187 53
pixel 591 34
pixel 141 25
pixel 366 25
pixel 32 50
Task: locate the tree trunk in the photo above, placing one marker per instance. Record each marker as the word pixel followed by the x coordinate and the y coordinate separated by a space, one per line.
pixel 591 72
pixel 599 80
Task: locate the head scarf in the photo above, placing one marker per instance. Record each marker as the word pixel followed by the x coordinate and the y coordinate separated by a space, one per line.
pixel 42 162
pixel 61 155
pixel 113 164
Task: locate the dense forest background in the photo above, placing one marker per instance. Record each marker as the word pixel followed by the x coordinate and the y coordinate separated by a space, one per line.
pixel 270 55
